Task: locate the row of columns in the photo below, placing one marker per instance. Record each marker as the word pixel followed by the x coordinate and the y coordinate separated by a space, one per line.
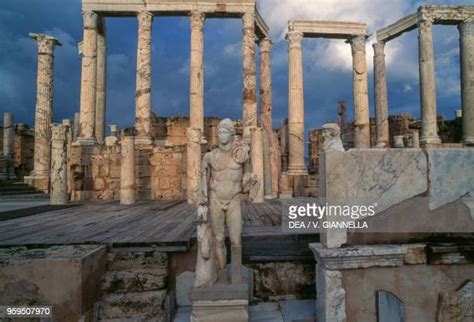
pixel 296 162
pixel 262 139
pixel 429 128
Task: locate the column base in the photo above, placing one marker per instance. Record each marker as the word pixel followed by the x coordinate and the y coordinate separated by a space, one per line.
pixel 39 181
pixel 84 141
pixel 143 140
pixel 430 140
pixel 468 141
pixel 297 171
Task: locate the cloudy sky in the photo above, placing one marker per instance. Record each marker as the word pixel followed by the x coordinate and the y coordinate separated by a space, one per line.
pixel 327 63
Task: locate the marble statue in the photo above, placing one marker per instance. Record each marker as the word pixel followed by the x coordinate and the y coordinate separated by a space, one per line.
pixel 332 137
pixel 221 187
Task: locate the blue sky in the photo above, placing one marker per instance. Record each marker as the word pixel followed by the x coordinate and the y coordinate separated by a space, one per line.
pixel 327 63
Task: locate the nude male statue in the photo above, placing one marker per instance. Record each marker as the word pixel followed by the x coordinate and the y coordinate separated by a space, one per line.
pixel 219 206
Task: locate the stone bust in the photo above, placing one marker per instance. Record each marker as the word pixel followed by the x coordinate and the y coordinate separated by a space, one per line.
pixel 220 207
pixel 332 137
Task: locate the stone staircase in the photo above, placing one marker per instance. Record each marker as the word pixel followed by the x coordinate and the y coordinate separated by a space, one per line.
pixel 134 286
pixel 12 189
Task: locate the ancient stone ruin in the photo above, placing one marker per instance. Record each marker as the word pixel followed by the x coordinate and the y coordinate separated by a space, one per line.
pixel 186 218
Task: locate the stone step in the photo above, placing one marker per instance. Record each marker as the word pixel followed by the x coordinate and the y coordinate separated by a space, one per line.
pixel 138 319
pixel 137 280
pixel 132 304
pixel 118 260
pixel 16 188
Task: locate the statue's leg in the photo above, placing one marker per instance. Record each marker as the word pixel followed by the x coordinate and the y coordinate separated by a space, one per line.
pixel 234 224
pixel 218 233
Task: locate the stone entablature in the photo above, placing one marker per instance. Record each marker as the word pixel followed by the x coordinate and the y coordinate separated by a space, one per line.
pixel 328 29
pixel 131 7
pixel 442 14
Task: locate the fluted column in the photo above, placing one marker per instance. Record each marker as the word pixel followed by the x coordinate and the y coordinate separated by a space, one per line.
pixel 429 127
pixel 193 163
pixel 196 72
pixel 143 86
pixel 381 100
pixel 249 74
pixel 76 126
pixel 44 104
pixel 88 80
pixel 100 111
pixel 127 171
pixel 58 195
pixel 296 164
pixel 266 113
pixel 466 31
pixel 361 95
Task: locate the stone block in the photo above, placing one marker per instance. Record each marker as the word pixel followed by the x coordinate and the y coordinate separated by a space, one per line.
pixel 451 175
pixel 123 305
pixel 220 302
pixel 136 280
pixel 184 286
pixel 65 277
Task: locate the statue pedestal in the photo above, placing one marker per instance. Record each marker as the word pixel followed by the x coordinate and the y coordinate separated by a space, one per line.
pixel 220 303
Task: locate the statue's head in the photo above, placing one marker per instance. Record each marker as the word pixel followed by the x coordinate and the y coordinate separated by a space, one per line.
pixel 332 137
pixel 331 131
pixel 225 131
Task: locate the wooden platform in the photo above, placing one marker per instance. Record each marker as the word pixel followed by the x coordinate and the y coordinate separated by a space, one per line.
pixel 167 225
pixel 145 223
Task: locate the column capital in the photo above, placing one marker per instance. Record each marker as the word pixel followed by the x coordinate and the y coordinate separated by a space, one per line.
pixel 466 27
pixel 91 19
pixel 265 44
pixel 145 18
pixel 248 20
pixel 58 132
pixel 379 48
pixel 197 19
pixel 46 43
pixel 294 38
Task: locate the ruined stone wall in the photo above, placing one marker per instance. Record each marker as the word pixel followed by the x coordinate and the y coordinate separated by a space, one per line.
pixel 172 130
pixel 168 172
pixel 160 172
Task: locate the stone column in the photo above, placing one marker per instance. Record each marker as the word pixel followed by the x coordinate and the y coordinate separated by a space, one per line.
pixel 196 72
pixel 466 31
pixel 100 105
pixel 265 82
pixel 249 74
pixel 68 124
pixel 76 126
pixel 58 165
pixel 193 164
pixel 143 85
pixel 44 105
pixel 429 127
pixel 127 171
pixel 296 164
pixel 8 135
pixel 381 100
pixel 361 95
pixel 8 143
pixel 256 149
pixel 88 80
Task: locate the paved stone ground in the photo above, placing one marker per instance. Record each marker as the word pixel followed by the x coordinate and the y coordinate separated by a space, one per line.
pixel 283 311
